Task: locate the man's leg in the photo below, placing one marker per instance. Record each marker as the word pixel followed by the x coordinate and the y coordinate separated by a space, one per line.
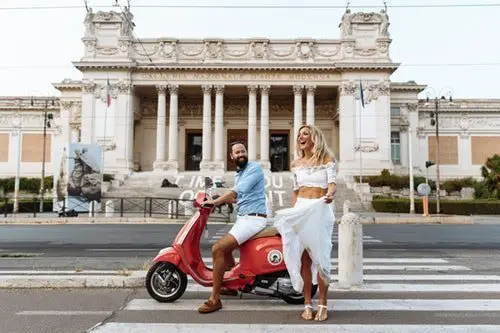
pixel 229 260
pixel 224 245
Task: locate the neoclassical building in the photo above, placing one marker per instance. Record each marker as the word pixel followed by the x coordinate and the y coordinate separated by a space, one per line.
pixel 176 104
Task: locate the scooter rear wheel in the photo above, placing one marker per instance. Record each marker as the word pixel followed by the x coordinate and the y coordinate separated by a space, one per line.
pixel 165 282
pixel 299 298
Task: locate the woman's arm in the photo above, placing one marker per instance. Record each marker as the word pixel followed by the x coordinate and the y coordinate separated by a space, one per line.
pixel 295 190
pixel 331 174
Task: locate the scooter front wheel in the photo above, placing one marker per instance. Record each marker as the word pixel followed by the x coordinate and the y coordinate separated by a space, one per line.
pixel 165 282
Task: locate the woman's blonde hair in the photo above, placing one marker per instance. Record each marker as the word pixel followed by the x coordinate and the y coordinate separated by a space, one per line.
pixel 320 147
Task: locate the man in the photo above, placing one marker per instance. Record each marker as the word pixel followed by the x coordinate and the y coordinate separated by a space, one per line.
pixel 248 191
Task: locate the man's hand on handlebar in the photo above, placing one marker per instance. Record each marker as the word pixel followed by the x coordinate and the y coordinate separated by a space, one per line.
pixel 208 203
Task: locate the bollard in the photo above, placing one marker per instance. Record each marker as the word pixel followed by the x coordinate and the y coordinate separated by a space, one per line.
pixel 110 208
pixel 350 248
pixel 347 206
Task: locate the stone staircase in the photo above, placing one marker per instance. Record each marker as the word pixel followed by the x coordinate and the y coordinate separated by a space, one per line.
pixel 138 186
pixel 345 193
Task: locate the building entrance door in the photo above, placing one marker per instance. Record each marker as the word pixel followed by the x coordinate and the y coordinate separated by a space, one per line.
pixel 193 150
pixel 232 136
pixel 279 154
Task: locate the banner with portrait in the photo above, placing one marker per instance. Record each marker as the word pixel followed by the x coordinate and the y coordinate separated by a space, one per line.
pixel 84 176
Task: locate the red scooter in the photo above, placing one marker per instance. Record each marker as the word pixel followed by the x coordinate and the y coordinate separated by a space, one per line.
pixel 261 269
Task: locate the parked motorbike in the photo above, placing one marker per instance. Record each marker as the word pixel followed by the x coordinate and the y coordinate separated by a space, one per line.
pixel 261 269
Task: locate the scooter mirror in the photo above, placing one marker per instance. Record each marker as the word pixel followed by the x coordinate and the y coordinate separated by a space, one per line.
pixel 208 182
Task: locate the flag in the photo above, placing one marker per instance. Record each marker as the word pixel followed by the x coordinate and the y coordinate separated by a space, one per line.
pixel 361 96
pixel 108 96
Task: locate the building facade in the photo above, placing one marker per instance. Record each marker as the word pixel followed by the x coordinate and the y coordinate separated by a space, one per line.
pixel 174 105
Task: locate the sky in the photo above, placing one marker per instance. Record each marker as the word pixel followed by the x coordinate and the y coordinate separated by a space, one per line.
pixel 453 48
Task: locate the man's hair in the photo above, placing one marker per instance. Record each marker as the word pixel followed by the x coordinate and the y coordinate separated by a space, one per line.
pixel 234 143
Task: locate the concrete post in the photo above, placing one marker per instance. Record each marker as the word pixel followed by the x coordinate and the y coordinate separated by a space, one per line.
pixel 347 206
pixel 350 251
pixel 110 208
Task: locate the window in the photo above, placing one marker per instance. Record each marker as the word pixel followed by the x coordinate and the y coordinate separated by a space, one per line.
pixel 395 148
pixel 395 111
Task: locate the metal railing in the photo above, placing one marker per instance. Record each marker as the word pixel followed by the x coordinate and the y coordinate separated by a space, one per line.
pixel 129 207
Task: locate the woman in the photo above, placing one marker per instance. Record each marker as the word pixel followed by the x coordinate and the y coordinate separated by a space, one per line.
pixel 306 228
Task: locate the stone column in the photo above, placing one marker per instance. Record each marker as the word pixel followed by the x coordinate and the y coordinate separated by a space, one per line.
pixel 403 146
pixel 207 129
pixel 347 123
pixel 310 105
pixel 252 123
pixel 88 113
pixel 413 122
pixel 264 128
pixel 383 119
pixel 75 122
pixel 159 163
pixel 297 113
pixel 65 116
pixel 464 155
pixel 75 135
pixel 219 127
pixel 125 127
pixel 173 129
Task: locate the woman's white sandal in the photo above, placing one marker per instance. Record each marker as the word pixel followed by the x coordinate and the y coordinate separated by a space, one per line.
pixel 309 310
pixel 319 314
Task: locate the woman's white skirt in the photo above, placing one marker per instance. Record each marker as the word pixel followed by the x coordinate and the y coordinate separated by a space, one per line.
pixel 307 226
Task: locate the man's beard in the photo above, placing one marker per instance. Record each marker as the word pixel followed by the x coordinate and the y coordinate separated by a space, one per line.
pixel 241 162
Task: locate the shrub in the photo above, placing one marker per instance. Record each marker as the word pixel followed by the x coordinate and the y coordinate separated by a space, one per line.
pixel 469 207
pixel 30 185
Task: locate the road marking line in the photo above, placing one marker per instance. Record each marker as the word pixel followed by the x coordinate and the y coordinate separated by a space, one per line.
pixel 113 327
pixel 64 313
pixel 121 250
pixel 333 305
pixel 397 287
pixel 380 260
pixel 430 277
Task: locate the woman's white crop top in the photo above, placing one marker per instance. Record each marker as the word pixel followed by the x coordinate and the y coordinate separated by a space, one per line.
pixel 314 176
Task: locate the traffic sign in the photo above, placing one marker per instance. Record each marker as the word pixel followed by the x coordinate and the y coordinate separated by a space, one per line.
pixel 423 189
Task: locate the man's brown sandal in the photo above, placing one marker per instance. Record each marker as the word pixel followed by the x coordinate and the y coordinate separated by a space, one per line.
pixel 209 306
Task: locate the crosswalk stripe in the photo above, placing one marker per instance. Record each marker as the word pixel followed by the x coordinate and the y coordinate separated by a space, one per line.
pixel 418 277
pixel 300 328
pixel 379 260
pixel 398 287
pixel 333 305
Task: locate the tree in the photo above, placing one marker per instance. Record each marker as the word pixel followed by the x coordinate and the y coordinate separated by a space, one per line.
pixel 491 174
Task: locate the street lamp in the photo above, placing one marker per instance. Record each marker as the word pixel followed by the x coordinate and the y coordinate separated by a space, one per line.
pixel 47 117
pixel 443 96
pixel 17 124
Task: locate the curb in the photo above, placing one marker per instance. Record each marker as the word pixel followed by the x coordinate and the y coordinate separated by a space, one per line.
pixel 446 219
pixel 452 219
pixel 75 280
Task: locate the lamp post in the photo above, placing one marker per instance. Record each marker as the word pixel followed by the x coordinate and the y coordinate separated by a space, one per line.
pixel 443 96
pixel 47 117
pixel 17 124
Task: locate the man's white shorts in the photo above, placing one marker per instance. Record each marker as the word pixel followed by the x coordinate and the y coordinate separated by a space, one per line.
pixel 245 227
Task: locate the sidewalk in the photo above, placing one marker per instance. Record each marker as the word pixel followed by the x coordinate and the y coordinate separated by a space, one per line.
pixel 366 218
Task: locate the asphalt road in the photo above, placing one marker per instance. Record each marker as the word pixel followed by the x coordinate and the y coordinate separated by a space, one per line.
pixel 141 236
pixel 41 311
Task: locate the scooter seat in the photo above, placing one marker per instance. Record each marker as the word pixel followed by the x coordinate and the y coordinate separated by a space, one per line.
pixel 267 232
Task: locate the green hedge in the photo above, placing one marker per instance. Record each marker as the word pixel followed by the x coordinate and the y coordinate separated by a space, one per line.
pixel 456 207
pixel 30 185
pixel 395 182
pixel 26 206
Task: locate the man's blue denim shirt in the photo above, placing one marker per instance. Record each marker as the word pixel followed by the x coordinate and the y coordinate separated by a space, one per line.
pixel 249 185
